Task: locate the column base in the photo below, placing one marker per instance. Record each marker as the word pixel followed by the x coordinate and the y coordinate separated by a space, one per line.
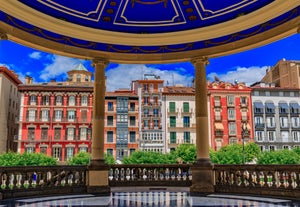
pixel 203 177
pixel 97 178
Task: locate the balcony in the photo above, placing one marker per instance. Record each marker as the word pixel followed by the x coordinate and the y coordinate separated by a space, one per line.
pixel 175 113
pixel 259 126
pixel 189 112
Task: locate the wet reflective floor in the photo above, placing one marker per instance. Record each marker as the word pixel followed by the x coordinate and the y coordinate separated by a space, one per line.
pixel 149 199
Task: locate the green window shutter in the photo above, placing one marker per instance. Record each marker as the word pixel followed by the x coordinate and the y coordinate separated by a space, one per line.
pixel 173 137
pixel 172 106
pixel 172 121
pixel 186 107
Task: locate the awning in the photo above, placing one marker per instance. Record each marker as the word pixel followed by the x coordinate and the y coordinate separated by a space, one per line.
pixel 294 105
pixel 219 126
pixel 258 105
pixel 283 105
pixel 270 105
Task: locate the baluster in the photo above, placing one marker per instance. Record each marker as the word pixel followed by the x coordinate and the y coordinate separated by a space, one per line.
pixel 290 180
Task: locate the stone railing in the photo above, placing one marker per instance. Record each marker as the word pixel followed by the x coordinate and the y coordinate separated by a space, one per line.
pixel 37 180
pixel 267 180
pixel 150 175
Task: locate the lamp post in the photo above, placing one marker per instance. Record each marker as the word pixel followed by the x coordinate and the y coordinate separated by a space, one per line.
pixel 244 132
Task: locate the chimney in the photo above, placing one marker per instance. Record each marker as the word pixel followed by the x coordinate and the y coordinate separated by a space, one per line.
pixel 28 79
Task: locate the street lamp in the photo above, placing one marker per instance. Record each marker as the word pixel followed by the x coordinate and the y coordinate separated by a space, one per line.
pixel 244 132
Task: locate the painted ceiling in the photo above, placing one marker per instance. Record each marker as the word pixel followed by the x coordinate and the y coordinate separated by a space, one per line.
pixel 145 26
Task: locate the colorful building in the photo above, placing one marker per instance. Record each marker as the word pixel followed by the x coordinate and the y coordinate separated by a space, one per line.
pixel 230 113
pixel 149 93
pixel 276 114
pixel 179 116
pixel 10 106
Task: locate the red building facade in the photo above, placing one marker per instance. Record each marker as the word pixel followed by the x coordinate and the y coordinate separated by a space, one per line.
pixel 230 113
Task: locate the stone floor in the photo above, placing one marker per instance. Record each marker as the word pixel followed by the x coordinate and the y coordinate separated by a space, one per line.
pixel 150 198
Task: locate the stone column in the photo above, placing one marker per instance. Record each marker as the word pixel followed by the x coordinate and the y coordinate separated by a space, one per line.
pixel 97 170
pixel 98 111
pixel 202 170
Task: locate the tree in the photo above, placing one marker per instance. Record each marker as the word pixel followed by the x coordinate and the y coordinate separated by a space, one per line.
pixel 279 157
pixel 83 158
pixel 186 153
pixel 26 159
pixel 142 157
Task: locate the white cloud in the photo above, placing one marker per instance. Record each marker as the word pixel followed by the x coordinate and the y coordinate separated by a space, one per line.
pixel 241 74
pixel 123 74
pixel 35 55
pixel 60 65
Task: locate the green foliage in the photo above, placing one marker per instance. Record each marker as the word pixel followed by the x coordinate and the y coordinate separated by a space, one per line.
pixel 26 159
pixel 233 154
pixel 109 159
pixel 83 158
pixel 279 157
pixel 185 153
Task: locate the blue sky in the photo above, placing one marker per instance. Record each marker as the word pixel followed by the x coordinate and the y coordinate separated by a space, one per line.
pixel 248 66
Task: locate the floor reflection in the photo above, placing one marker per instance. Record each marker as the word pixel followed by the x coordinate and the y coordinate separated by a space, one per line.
pixel 149 199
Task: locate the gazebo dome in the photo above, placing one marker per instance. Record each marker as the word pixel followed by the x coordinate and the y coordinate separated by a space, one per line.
pixel 147 30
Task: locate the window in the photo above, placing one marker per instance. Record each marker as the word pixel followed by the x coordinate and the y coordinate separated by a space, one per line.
pixel 296 136
pixel 146 100
pixel 45 115
pixel 87 78
pixel 33 100
pixel 30 149
pixel 31 115
pixel 58 100
pixel 71 115
pixel 231 113
pixel 109 136
pixel 69 152
pixel 186 107
pixel 186 121
pixel 230 100
pixel 283 108
pixel 218 114
pixel 78 77
pixel 83 149
pixel 110 151
pixel 285 136
pixel 70 133
pixel 172 121
pixel 44 134
pixel 294 108
pixel 132 106
pixel 58 115
pixel 156 123
pixel 270 122
pixel 243 100
pixel 146 123
pixel 295 122
pixel 271 136
pixel 43 150
pixel 155 112
pixel 173 137
pixel 110 106
pixel 132 136
pixel 232 128
pixel 84 115
pixel 83 133
pixel 57 133
pixel 71 100
pixel 56 152
pixel 84 100
pixel 110 120
pixel 283 122
pixel 172 106
pixel 31 132
pixel 258 107
pixel 122 118
pixel 272 148
pixel 186 137
pixel 270 108
pixel 259 135
pixel 217 100
pixel 146 87
pixel 45 100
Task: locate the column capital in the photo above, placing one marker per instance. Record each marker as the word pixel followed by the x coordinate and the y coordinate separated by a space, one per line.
pixel 101 61
pixel 3 36
pixel 202 59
